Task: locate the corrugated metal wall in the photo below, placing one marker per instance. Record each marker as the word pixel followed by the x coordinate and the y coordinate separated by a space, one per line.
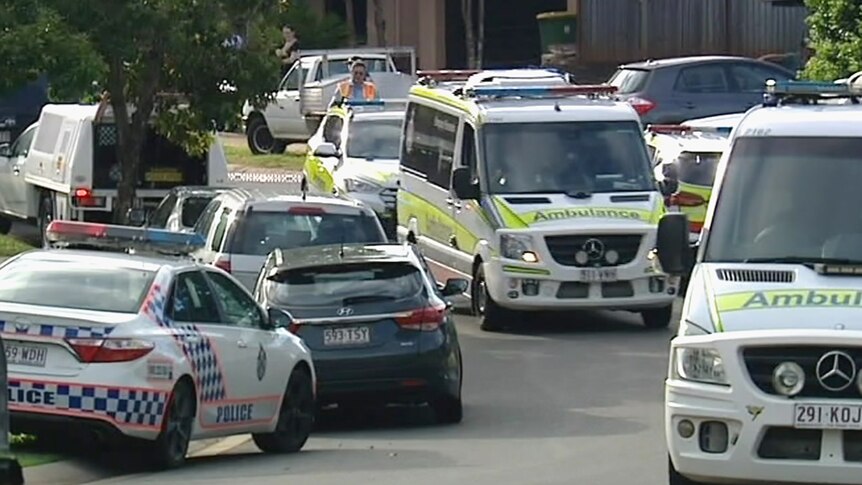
pixel 626 30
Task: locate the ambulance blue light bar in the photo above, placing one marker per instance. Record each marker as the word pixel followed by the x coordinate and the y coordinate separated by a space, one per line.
pixel 122 238
pixel 542 91
pixel 811 88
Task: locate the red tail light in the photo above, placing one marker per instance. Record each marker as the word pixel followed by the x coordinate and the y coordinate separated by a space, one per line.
pixel 301 210
pixel 642 106
pixel 425 319
pixel 685 199
pixel 109 350
pixel 294 328
pixel 695 226
pixel 223 263
pixel 83 193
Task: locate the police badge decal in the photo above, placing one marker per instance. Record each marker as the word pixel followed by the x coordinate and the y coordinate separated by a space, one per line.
pixel 261 363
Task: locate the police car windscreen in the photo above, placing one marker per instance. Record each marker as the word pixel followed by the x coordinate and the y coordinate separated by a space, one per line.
pixel 368 286
pixel 789 197
pixel 74 285
pixel 566 157
pixel 374 139
pixel 261 232
pixel 697 168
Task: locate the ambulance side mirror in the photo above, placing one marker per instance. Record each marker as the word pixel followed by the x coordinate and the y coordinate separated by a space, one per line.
pixel 672 243
pixel 5 150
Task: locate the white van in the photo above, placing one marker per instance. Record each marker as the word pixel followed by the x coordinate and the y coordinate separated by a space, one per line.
pixel 539 191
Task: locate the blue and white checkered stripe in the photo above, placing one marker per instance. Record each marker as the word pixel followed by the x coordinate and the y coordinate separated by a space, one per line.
pixel 54 331
pixel 196 346
pixel 137 407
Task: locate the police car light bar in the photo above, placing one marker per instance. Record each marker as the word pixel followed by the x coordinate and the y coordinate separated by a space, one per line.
pixel 121 238
pixel 357 102
pixel 811 88
pixel 681 129
pixel 539 91
pixel 447 74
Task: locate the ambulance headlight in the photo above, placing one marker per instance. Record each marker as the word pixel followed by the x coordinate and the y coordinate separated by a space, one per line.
pixel 360 185
pixel 700 364
pixel 518 246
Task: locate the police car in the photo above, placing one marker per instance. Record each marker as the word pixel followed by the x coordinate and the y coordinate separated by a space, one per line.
pixel 158 349
pixel 764 381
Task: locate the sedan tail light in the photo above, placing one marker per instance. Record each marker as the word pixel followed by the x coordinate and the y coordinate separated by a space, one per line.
pixel 425 319
pixel 223 263
pixel 642 106
pixel 110 350
pixel 685 199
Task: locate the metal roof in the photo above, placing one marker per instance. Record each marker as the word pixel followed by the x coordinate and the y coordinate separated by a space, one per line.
pixel 337 254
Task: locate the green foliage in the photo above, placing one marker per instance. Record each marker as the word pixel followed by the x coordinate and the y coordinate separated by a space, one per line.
pixel 315 32
pixel 836 37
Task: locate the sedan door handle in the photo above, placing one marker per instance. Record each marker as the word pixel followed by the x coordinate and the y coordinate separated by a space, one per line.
pixel 450 202
pixel 241 344
pixel 16 170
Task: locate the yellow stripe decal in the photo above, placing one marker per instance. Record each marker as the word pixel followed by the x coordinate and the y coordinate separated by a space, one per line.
pixel 755 300
pixel 518 269
pixel 712 304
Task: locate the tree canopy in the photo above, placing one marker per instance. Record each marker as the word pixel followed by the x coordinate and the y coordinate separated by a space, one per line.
pixel 835 30
pixel 209 56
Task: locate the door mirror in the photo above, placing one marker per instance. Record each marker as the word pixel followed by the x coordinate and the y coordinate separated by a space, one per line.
pixel 672 243
pixel 326 150
pixel 5 150
pixel 455 286
pixel 463 185
pixel 137 217
pixel 668 187
pixel 279 318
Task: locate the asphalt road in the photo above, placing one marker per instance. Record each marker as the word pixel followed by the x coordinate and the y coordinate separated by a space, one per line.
pixel 566 400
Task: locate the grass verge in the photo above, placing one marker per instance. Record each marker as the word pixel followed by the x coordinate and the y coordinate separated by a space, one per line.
pixel 237 152
pixel 9 246
pixel 26 449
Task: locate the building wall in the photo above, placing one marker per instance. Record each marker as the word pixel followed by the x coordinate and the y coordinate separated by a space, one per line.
pixel 613 31
pixel 412 23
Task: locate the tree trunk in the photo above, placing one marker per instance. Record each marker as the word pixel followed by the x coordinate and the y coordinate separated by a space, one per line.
pixel 350 18
pixel 480 41
pixel 379 23
pixel 469 33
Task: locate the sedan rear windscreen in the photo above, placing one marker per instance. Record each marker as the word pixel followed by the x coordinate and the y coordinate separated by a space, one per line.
pixel 346 285
pixel 74 285
pixel 628 81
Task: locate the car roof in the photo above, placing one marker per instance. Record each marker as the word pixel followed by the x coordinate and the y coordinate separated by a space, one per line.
pixel 193 190
pixel 259 198
pixel 693 142
pixel 336 254
pixel 651 64
pixel 104 259
pixel 842 120
pixel 720 121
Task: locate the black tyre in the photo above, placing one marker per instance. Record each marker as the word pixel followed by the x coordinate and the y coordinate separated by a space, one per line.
pixel 260 140
pixel 295 418
pixel 674 477
pixel 170 449
pixel 656 318
pixel 279 147
pixel 5 225
pixel 448 409
pixel 492 317
pixel 46 215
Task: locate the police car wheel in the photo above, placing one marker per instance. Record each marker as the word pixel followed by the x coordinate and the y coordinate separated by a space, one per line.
pixel 5 225
pixel 170 449
pixel 675 478
pixel 492 317
pixel 295 419
pixel 656 318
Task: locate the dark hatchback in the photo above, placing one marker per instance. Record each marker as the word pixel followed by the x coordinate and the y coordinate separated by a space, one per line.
pixel 378 326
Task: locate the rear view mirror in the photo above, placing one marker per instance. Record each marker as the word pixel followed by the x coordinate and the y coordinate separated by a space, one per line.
pixel 137 217
pixel 463 185
pixel 455 286
pixel 326 150
pixel 5 150
pixel 279 318
pixel 668 187
pixel 672 243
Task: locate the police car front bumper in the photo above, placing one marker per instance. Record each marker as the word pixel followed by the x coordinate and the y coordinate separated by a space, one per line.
pixel 740 433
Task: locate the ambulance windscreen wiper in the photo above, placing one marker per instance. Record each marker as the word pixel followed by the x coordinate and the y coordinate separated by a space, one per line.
pixel 578 194
pixel 809 261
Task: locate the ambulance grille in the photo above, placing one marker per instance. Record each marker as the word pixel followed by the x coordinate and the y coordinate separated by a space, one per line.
pixel 756 275
pixel 761 361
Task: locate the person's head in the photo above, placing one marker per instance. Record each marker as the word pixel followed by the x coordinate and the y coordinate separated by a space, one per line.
pixel 358 71
pixel 288 33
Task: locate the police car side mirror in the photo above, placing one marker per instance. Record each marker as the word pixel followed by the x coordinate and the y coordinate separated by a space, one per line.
pixel 327 150
pixel 5 150
pixel 279 318
pixel 463 185
pixel 672 243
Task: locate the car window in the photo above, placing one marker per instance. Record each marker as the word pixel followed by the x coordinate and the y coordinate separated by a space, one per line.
pixel 374 139
pixel 202 227
pixel 293 79
pixel 221 229
pixel 751 78
pixel 22 145
pixel 193 207
pixel 332 130
pixel 340 67
pixel 264 231
pixel 239 308
pixel 160 216
pixel 628 81
pixel 193 301
pixel 707 78
pixel 76 285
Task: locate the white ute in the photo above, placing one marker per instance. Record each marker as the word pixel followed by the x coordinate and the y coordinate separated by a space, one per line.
pixel 764 380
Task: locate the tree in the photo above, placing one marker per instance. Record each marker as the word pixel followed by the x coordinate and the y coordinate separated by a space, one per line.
pixel 835 30
pixel 474 42
pixel 379 23
pixel 350 18
pixel 178 65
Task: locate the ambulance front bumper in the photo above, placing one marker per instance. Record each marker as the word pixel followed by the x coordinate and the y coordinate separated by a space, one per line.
pixel 739 433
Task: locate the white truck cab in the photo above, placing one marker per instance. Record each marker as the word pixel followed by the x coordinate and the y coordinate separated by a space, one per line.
pixel 537 190
pixel 764 379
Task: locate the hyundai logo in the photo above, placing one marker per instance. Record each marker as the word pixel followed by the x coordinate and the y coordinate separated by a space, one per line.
pixel 345 312
pixel 836 370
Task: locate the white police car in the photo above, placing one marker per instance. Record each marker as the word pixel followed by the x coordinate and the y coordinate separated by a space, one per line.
pixel 156 348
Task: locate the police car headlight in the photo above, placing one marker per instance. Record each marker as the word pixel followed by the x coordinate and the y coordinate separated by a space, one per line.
pixel 364 186
pixel 700 364
pixel 518 246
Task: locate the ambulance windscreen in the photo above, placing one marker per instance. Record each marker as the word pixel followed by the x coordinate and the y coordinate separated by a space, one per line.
pixel 566 157
pixel 789 199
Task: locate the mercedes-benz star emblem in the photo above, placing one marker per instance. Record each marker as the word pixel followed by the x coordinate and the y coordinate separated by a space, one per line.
pixel 836 370
pixel 345 312
pixel 594 248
